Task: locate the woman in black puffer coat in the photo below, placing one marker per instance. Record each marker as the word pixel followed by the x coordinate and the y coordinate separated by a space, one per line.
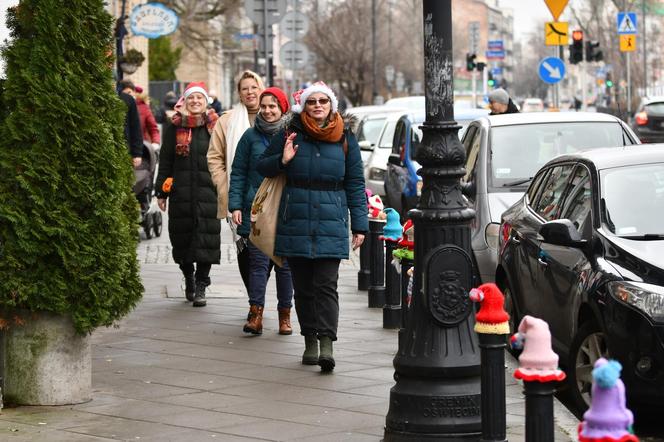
pixel 184 178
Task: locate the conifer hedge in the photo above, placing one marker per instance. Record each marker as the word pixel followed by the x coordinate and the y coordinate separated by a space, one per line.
pixel 68 217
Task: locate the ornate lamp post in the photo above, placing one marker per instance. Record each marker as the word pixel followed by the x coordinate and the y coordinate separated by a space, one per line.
pixel 437 391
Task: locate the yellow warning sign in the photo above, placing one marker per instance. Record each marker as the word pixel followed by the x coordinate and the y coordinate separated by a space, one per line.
pixel 555 33
pixel 556 7
pixel 627 43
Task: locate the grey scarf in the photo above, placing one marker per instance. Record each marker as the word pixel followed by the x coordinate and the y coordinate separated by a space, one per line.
pixel 266 128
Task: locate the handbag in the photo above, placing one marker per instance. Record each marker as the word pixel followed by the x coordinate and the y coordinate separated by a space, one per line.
pixel 264 214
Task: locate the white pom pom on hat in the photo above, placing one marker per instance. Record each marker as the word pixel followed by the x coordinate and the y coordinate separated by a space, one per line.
pixel 319 86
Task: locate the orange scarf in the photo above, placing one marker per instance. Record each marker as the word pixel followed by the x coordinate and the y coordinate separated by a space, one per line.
pixel 331 132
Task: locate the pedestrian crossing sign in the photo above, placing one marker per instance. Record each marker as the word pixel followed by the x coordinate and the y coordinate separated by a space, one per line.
pixel 627 43
pixel 627 23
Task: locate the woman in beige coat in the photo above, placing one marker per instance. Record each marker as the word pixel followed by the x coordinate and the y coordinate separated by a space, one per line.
pixel 226 134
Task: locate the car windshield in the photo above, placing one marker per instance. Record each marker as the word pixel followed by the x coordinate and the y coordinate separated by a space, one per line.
pixel 370 130
pixel 657 108
pixel 633 201
pixel 388 134
pixel 518 151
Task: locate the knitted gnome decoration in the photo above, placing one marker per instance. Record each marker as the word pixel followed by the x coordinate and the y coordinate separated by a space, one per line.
pixel 607 419
pixel 392 229
pixel 376 208
pixel 407 240
pixel 537 362
pixel 492 318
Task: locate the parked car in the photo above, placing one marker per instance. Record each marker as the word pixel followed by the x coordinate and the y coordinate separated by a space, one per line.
pixel 413 102
pixel 376 164
pixel 359 112
pixel 532 105
pixel 369 130
pixel 503 152
pixel 402 184
pixel 582 249
pixel 648 122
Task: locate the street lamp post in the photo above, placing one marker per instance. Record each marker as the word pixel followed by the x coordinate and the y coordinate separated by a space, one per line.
pixel 437 365
pixel 120 33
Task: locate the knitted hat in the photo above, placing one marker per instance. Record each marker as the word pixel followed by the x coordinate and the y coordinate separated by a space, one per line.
pixel 302 95
pixel 492 318
pixel 407 238
pixel 139 89
pixel 499 96
pixel 537 362
pixel 375 206
pixel 279 95
pixel 392 229
pixel 196 86
pixel 608 418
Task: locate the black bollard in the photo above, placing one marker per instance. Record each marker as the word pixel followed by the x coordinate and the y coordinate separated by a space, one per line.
pixel 539 410
pixel 406 264
pixel 392 307
pixel 494 412
pixel 492 327
pixel 364 274
pixel 377 287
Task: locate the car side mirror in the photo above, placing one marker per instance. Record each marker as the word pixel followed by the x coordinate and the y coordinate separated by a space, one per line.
pixel 561 232
pixel 394 159
pixel 366 145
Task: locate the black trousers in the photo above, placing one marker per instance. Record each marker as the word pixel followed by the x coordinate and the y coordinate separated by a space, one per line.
pixel 202 271
pixel 316 297
pixel 244 266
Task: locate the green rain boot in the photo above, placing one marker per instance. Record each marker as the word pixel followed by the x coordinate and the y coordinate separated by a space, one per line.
pixel 326 360
pixel 310 356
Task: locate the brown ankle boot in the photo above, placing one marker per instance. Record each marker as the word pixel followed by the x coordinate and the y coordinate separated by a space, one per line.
pixel 284 321
pixel 254 324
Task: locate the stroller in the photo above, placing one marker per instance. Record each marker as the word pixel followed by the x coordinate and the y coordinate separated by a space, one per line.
pixel 151 220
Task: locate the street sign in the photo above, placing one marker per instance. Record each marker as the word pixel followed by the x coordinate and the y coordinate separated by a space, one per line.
pixel 238 36
pixel 556 7
pixel 294 25
pixel 551 70
pixel 497 71
pixel 495 55
pixel 495 45
pixel 260 41
pixel 255 10
pixel 627 23
pixel 293 55
pixel 152 20
pixel 627 43
pixel 556 33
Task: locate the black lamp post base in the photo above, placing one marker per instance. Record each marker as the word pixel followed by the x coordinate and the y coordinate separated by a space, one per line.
pixel 376 296
pixel 396 436
pixel 363 280
pixel 391 316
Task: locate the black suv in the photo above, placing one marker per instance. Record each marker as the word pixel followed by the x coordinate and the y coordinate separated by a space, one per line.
pixel 648 122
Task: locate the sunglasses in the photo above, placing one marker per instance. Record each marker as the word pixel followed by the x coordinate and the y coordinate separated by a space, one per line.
pixel 313 101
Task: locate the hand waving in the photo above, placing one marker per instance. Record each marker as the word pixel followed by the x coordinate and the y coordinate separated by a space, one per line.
pixel 289 149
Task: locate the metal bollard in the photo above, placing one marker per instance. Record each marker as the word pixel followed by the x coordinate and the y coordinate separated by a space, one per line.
pixel 377 287
pixel 364 274
pixel 406 264
pixel 492 327
pixel 538 368
pixel 392 307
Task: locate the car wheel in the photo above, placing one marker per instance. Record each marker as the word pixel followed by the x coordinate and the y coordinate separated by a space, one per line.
pixel 588 346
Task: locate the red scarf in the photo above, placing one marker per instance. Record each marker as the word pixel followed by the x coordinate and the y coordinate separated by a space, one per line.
pixel 185 122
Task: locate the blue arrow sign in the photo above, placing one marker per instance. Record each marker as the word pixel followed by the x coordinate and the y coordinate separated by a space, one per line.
pixel 551 70
pixel 627 23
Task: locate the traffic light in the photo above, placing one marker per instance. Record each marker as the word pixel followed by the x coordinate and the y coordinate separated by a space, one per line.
pixel 592 51
pixel 608 82
pixel 576 48
pixel 491 82
pixel 480 66
pixel 470 62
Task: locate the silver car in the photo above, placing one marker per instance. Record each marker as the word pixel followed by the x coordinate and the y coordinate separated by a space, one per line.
pixel 503 153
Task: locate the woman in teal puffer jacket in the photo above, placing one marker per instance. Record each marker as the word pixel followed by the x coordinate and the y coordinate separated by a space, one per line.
pixel 323 166
pixel 245 181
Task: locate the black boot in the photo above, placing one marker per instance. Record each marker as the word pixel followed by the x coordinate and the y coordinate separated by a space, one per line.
pixel 189 287
pixel 199 297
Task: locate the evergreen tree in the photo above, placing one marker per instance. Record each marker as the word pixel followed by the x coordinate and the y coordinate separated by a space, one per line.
pixel 68 217
pixel 164 60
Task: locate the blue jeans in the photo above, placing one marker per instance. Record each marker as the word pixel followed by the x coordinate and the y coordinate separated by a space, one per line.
pixel 260 266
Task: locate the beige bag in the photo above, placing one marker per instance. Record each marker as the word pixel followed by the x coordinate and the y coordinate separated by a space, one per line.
pixel 264 214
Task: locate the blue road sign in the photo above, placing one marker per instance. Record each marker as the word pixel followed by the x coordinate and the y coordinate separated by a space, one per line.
pixel 551 70
pixel 495 45
pixel 627 23
pixel 497 71
pixel 495 55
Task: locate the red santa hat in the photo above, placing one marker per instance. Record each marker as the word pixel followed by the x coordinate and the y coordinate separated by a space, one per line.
pixel 196 86
pixel 302 95
pixel 407 240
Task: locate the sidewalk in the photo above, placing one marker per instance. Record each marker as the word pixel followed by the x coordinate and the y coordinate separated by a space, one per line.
pixel 171 372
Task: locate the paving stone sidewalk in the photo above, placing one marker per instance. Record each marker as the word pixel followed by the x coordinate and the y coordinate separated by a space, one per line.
pixel 170 372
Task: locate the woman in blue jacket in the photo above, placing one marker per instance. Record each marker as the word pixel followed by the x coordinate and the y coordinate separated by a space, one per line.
pixel 323 166
pixel 245 181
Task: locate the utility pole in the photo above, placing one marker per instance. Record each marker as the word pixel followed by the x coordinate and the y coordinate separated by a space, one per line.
pixel 645 52
pixel 374 65
pixel 437 366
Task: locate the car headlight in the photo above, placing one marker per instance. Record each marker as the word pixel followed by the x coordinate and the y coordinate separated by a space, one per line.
pixel 376 174
pixel 648 298
pixel 491 235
